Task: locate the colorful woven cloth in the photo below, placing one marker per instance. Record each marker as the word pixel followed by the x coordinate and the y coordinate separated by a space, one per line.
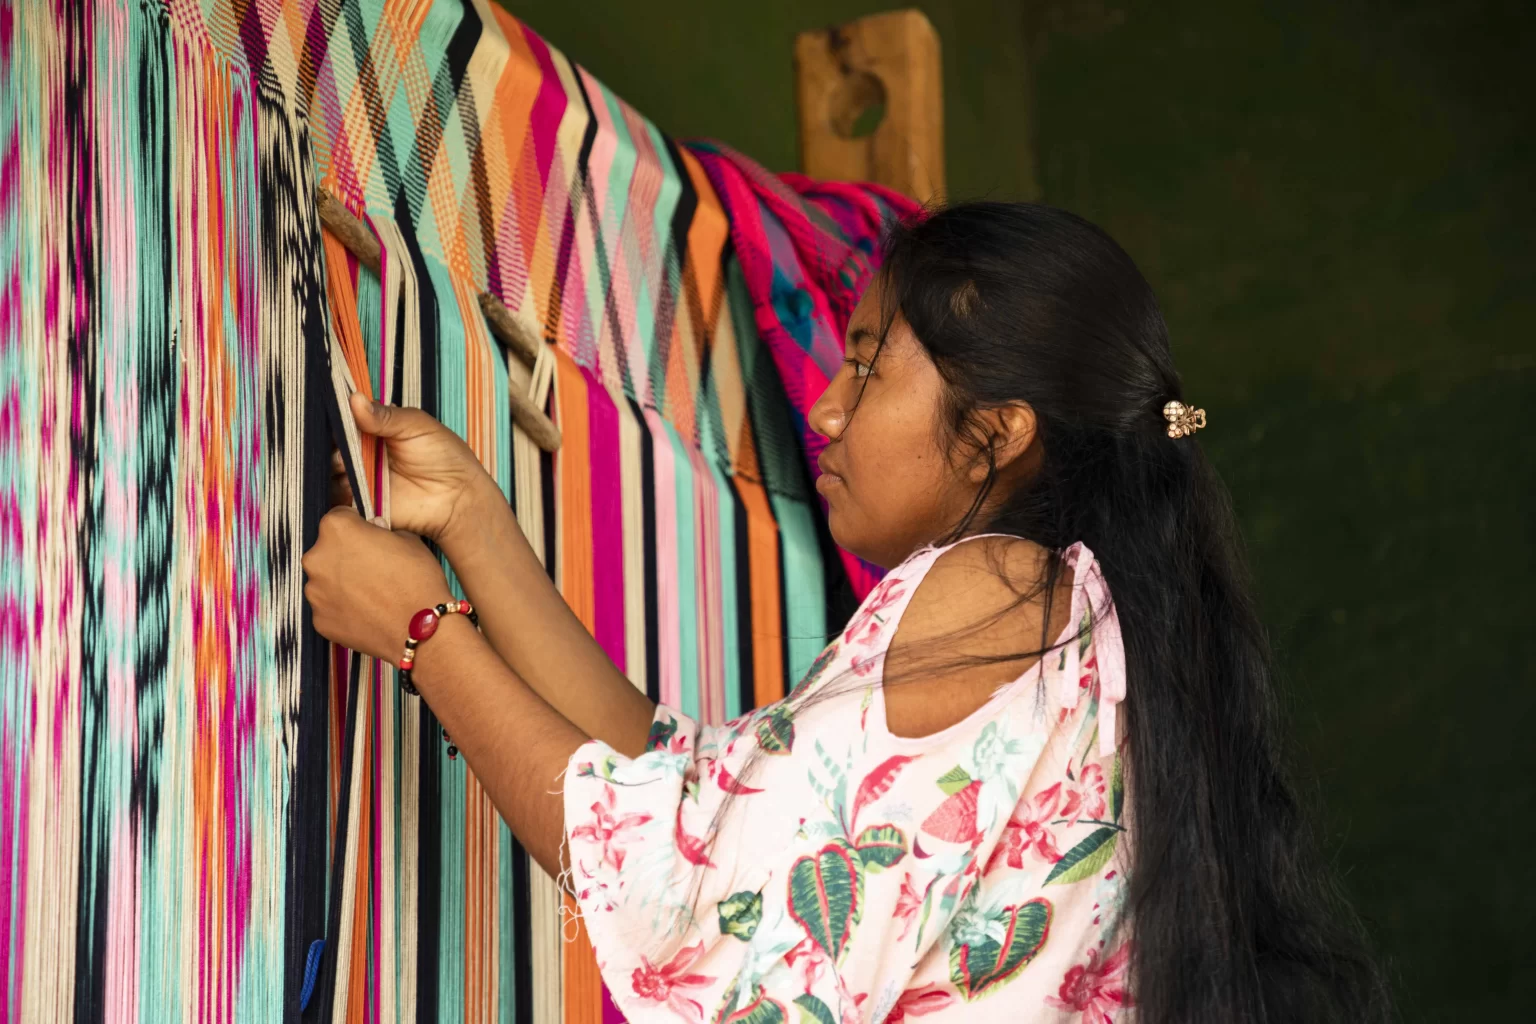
pixel 808 250
pixel 206 814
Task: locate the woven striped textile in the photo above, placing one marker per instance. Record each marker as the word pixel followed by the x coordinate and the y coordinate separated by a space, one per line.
pixel 807 249
pixel 206 812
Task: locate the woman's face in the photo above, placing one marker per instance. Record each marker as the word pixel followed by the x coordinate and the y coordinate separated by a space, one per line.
pixel 886 474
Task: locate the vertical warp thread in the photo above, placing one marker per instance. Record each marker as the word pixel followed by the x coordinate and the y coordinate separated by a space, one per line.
pixel 210 804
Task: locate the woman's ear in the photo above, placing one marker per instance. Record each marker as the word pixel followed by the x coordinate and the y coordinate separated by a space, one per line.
pixel 1007 431
pixel 1016 432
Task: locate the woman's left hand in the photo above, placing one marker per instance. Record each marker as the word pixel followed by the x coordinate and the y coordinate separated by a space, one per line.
pixel 365 583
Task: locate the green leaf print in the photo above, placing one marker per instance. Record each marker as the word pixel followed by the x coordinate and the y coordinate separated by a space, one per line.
pixel 977 969
pixel 727 1001
pixel 817 668
pixel 761 1010
pixel 740 914
pixel 946 901
pixel 1116 791
pixel 954 780
pixel 858 897
pixel 1085 859
pixel 824 894
pixel 814 1011
pixel 776 732
pixel 660 736
pixel 881 846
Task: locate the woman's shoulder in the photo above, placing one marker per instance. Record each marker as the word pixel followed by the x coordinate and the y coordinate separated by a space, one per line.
pixel 982 592
pixel 976 574
pixel 985 569
pixel 976 619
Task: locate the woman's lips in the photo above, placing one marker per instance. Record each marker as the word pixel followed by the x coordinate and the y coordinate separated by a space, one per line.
pixel 829 476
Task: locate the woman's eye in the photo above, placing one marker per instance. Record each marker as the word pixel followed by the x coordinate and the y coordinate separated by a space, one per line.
pixel 860 371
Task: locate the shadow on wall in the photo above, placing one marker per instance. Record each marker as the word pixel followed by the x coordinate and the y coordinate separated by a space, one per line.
pixel 1333 201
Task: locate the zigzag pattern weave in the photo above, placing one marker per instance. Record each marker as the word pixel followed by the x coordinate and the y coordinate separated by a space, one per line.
pixel 206 813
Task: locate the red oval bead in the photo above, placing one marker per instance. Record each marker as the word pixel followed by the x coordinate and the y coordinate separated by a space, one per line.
pixel 463 607
pixel 423 624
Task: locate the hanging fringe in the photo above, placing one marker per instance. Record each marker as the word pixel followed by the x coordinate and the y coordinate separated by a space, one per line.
pixel 205 812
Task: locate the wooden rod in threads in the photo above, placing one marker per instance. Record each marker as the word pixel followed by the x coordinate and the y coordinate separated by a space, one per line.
pixel 506 328
pixel 512 331
pixel 869 100
pixel 349 231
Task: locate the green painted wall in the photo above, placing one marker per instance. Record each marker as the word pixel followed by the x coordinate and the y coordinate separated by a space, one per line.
pixel 1335 202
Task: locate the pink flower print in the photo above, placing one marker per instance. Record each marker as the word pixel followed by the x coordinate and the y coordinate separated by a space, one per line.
pixel 1085 795
pixel 917 1001
pixel 862 666
pixel 665 736
pixel 808 961
pixel 597 891
pixel 1088 674
pixel 728 782
pixel 907 905
pixel 608 830
pixel 867 622
pixel 694 850
pixel 662 984
pixel 1096 988
pixel 1029 829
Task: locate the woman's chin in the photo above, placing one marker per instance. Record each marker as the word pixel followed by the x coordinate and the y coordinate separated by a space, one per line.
pixel 843 524
pixel 853 541
pixel 837 527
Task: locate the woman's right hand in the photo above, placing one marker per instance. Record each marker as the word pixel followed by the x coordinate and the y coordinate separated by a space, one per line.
pixel 435 481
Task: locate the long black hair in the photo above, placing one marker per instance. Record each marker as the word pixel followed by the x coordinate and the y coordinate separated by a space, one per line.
pixel 1233 913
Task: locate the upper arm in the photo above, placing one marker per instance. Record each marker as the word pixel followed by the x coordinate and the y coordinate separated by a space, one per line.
pixel 976 622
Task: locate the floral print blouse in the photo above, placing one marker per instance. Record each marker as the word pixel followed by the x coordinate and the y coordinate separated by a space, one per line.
pixel 976 874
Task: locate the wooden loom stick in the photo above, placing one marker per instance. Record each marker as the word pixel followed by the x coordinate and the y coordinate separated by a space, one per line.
pixel 507 329
pixel 870 103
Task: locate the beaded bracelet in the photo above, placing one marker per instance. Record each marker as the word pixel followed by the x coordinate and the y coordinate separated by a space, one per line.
pixel 423 624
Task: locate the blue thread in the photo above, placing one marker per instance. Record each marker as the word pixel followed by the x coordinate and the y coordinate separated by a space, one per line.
pixel 311 972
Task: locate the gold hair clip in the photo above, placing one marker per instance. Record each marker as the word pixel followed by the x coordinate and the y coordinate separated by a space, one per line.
pixel 1183 420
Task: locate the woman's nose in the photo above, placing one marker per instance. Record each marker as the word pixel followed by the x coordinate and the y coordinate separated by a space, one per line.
pixel 827 417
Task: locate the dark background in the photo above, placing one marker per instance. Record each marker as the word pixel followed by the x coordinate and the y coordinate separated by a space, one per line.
pixel 1334 201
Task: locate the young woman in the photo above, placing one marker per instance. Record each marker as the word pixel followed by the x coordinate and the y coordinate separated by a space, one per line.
pixel 1037 778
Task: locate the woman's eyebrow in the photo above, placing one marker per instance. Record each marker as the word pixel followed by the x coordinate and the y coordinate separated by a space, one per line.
pixel 860 335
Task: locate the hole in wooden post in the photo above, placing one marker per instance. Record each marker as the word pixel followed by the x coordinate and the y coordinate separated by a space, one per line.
pixel 857 105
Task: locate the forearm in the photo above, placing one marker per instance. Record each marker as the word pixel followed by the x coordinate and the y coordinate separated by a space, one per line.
pixel 514 741
pixel 534 630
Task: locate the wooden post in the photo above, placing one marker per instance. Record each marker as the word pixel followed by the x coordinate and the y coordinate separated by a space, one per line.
pixel 846 76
